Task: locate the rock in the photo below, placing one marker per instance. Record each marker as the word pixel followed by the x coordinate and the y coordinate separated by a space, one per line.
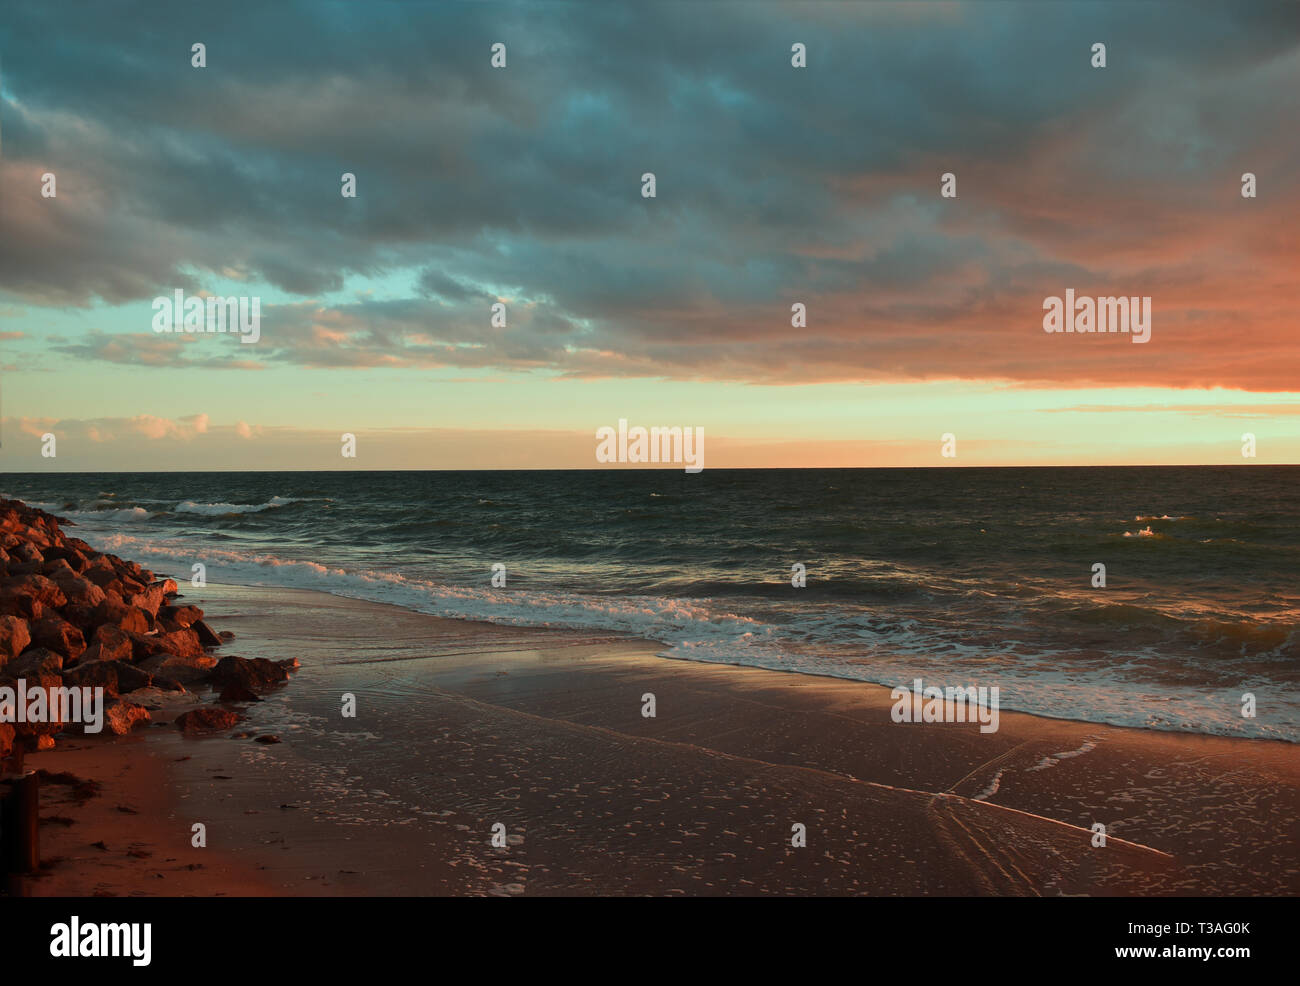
pixel 34 681
pixel 206 719
pixel 186 670
pixel 50 568
pixel 20 605
pixel 97 674
pixel 72 555
pixel 149 599
pixel 267 738
pixel 15 635
pixel 114 677
pixel 33 663
pixel 82 617
pixel 184 643
pixel 182 615
pixel 7 734
pixel 78 589
pixel 44 742
pixel 169 587
pixel 121 716
pixel 26 551
pixel 256 674
pixel 38 587
pixel 130 678
pixel 129 618
pixel 207 638
pixel 58 635
pixel 109 644
pixel 146 645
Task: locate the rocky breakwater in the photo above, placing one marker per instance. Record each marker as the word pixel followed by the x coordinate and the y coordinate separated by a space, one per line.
pixel 84 633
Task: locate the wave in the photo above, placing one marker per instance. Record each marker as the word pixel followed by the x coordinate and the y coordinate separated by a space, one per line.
pixel 224 509
pixel 1118 690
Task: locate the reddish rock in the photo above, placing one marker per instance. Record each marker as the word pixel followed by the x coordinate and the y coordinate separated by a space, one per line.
pixel 121 716
pixel 7 734
pixel 82 617
pixel 54 566
pixel 206 719
pixel 76 589
pixel 26 551
pixel 114 677
pixel 43 590
pixel 207 637
pixel 256 674
pixel 20 604
pixel 57 634
pixel 15 635
pixel 184 643
pixel 109 644
pixel 149 599
pixel 146 645
pixel 38 680
pixel 182 615
pixel 186 670
pixel 34 662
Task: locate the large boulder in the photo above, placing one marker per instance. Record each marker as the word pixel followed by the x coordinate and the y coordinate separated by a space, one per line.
pixel 114 677
pixel 34 662
pixel 38 680
pixel 77 589
pixel 15 635
pixel 149 599
pixel 207 636
pixel 183 616
pixel 255 674
pixel 206 719
pixel 185 670
pixel 146 645
pixel 121 716
pixel 130 618
pixel 109 644
pixel 169 587
pixel 57 634
pixel 43 590
pixel 183 642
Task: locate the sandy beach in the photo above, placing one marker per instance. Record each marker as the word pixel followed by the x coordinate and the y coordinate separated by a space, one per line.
pixel 462 726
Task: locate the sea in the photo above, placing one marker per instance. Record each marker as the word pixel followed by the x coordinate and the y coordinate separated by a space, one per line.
pixel 956 576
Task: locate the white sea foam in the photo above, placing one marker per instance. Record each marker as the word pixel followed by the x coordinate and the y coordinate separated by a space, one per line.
pixel 221 509
pixel 708 630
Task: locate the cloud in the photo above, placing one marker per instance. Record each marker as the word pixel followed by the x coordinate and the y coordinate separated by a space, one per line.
pixel 775 185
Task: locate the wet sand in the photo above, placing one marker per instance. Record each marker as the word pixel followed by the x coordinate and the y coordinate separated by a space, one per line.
pixel 463 726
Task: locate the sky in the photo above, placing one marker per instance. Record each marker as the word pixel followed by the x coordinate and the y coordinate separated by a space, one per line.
pixel 522 186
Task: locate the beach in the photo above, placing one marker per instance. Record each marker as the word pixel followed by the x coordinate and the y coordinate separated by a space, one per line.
pixel 462 726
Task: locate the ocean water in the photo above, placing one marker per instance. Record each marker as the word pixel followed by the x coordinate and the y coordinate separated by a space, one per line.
pixel 956 576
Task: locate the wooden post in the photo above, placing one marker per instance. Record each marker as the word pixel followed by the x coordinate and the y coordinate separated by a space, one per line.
pixel 20 824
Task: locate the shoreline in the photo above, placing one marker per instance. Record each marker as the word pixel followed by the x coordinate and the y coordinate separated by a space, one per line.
pixel 462 723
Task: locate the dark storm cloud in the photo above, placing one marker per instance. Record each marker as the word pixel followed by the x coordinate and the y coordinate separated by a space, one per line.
pixel 775 185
